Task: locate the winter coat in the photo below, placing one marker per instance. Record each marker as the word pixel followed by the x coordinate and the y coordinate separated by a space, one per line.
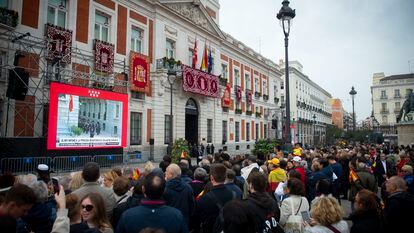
pixel 324 173
pixel 132 201
pixel 341 226
pixel 197 187
pixel 366 181
pixel 179 194
pixel 366 222
pixel 153 214
pixel 38 219
pixel 398 212
pixel 299 204
pixel 235 189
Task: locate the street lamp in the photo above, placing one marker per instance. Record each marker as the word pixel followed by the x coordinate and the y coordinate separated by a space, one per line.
pixel 314 129
pixel 353 93
pixel 285 15
pixel 173 69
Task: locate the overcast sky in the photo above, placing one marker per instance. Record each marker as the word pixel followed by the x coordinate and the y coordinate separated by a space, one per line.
pixel 340 43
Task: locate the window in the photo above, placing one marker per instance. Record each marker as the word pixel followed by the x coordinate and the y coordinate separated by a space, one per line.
pixel 101 26
pixel 3 63
pixel 170 49
pixel 224 131
pixel 383 94
pixel 137 95
pixel 257 131
pixel 247 81
pixel 117 110
pixel 275 90
pixel 56 12
pixel 397 93
pixel 237 137
pixel 190 57
pixel 115 130
pixel 209 130
pixel 224 71
pixel 136 39
pixel 383 106
pixel 397 106
pixel 256 85
pixel 265 130
pixel 237 77
pixel 167 129
pixel 135 128
pixel 264 87
pixel 247 131
pixel 384 119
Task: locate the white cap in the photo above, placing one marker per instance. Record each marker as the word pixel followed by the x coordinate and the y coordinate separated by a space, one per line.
pixel 43 168
pixel 296 159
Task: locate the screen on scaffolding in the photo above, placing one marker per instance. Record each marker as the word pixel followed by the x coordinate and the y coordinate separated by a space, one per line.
pixel 85 118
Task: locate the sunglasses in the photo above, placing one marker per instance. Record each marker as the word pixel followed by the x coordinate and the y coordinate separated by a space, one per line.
pixel 87 207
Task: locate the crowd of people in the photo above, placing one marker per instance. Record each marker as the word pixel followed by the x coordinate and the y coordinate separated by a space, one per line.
pixel 280 192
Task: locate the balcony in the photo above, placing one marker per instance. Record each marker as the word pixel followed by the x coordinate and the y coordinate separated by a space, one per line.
pixel 258 114
pixel 276 100
pixel 222 81
pixel 238 111
pixel 397 97
pixel 384 97
pixel 8 17
pixel 257 94
pixel 248 113
pixel 396 111
pixel 384 111
pixel 265 97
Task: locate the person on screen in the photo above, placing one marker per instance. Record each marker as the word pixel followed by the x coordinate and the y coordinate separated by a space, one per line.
pixel 98 128
pixel 92 129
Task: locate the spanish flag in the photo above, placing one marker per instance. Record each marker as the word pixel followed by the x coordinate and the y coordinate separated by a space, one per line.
pixel 183 155
pixel 204 60
pixel 352 176
pixel 136 174
pixel 199 195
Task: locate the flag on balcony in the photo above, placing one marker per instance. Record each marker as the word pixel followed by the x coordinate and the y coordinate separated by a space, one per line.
pixel 195 54
pixel 204 59
pixel 210 60
pixel 70 103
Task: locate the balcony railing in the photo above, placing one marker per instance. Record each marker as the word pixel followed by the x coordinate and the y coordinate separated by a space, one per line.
pixel 8 17
pixel 265 97
pixel 238 111
pixel 384 97
pixel 384 111
pixel 397 97
pixel 257 94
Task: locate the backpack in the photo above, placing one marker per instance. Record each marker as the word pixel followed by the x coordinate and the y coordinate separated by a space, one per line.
pixel 294 223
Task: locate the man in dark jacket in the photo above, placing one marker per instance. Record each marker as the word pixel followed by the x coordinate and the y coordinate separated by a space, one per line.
pixel 152 213
pixel 382 168
pixel 208 206
pixel 265 207
pixel 178 194
pixel 322 170
pixel 229 183
pixel 398 207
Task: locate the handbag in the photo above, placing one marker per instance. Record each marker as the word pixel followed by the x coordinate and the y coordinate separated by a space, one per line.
pixel 294 223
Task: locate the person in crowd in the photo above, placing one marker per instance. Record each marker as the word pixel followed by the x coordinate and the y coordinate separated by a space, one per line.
pixel 398 206
pixel 361 179
pixel 297 150
pixel 367 217
pixel 407 174
pixel 152 212
pixel 280 192
pixel 209 204
pixel 323 189
pixel 130 202
pixel 40 217
pixel 121 188
pixel 148 167
pixel 295 201
pixel 382 167
pixel 200 176
pixel 76 181
pixel 117 171
pixel 239 181
pixel 337 170
pixel 326 217
pixel 90 174
pixel 43 173
pixel 229 183
pixel 321 170
pixel 166 161
pixel 94 214
pixel 186 173
pixel 108 179
pixel 178 194
pixel 238 217
pixel 298 166
pixel 276 174
pixel 264 206
pixel 17 202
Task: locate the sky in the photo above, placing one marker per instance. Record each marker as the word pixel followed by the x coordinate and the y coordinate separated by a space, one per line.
pixel 340 43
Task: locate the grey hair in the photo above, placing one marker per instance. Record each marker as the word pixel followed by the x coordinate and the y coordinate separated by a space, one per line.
pixel 200 174
pixel 40 190
pixel 28 179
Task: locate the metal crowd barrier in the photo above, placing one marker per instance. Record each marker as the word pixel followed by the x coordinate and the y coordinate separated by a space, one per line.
pixel 59 164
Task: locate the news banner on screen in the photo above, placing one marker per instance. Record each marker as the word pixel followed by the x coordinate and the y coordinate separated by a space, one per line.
pixel 85 118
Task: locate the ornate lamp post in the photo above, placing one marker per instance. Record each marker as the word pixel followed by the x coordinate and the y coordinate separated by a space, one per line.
pixel 173 68
pixel 353 93
pixel 285 15
pixel 314 129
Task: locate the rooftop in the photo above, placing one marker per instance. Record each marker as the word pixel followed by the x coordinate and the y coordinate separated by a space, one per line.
pixel 398 77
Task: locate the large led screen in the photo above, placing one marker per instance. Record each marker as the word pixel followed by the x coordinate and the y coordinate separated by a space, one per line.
pixel 84 118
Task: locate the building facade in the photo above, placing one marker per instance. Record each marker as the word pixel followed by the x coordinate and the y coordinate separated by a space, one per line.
pixel 388 94
pixel 337 113
pixel 97 31
pixel 310 106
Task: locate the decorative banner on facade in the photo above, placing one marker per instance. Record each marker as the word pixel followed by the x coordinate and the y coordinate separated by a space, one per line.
pixel 139 71
pixel 238 93
pixel 104 56
pixel 59 43
pixel 249 96
pixel 198 82
pixel 226 99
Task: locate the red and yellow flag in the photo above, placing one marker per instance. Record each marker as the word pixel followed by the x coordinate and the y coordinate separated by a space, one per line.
pixel 204 60
pixel 352 176
pixel 136 174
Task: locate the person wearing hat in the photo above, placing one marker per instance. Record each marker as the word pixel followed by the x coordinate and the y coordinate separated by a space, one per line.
pixel 297 166
pixel 297 150
pixel 43 173
pixel 276 175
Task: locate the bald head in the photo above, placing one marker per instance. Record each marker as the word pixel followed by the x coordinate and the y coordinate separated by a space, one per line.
pixel 173 171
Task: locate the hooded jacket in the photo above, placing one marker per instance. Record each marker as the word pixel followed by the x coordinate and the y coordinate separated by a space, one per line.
pixel 178 194
pixel 366 222
pixel 398 212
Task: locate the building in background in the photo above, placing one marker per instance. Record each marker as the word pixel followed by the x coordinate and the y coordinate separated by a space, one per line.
pixel 348 121
pixel 337 113
pixel 310 106
pixel 388 94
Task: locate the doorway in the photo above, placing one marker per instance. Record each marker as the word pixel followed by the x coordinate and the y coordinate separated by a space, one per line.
pixel 191 121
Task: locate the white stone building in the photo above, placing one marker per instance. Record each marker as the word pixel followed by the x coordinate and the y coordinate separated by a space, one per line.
pixel 388 94
pixel 310 107
pixel 156 29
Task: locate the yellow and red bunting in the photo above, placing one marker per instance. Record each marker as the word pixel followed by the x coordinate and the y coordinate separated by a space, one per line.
pixel 352 176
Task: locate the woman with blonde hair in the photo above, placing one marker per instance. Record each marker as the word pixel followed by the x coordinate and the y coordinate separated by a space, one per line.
pixel 108 179
pixel 76 181
pixel 326 217
pixel 94 214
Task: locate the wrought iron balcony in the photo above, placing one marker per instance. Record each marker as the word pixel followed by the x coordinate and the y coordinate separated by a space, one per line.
pixel 384 111
pixel 8 17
